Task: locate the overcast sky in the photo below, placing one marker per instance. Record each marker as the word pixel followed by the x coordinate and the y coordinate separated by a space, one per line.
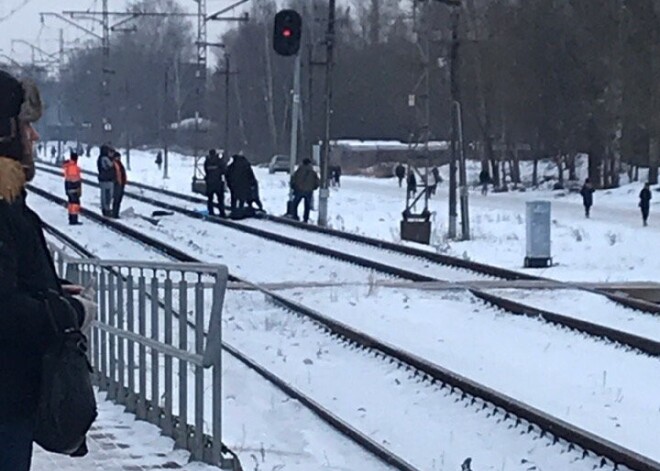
pixel 24 23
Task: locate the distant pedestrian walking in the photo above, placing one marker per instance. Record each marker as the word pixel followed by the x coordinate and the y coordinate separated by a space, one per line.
pixel 72 187
pixel 437 179
pixel 106 175
pixel 119 184
pixel 411 184
pixel 400 173
pixel 587 193
pixel 484 180
pixel 645 202
pixel 336 176
pixel 159 160
pixel 304 182
pixel 214 174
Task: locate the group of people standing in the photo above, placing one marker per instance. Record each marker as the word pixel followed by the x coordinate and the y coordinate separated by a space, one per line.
pixel 112 180
pixel 411 180
pixel 645 197
pixel 238 177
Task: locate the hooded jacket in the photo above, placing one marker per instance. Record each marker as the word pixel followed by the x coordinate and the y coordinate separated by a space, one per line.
pixel 105 166
pixel 305 179
pixel 29 291
pixel 240 178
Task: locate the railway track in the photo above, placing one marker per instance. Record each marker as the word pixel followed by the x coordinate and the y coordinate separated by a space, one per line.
pixel 519 415
pixel 328 417
pixel 628 340
pixel 413 252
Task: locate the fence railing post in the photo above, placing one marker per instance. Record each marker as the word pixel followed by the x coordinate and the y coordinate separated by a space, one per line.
pixel 136 326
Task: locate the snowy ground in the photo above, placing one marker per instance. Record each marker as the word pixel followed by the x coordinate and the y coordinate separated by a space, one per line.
pixel 597 386
pixel 611 246
pixel 604 389
pixel 378 397
pixel 118 442
pixel 262 425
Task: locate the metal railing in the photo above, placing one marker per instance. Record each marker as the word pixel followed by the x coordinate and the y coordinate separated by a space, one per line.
pixel 150 349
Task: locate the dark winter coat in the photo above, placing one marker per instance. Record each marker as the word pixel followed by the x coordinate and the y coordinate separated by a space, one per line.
pixel 305 179
pixel 587 193
pixel 214 170
pixel 105 167
pixel 484 177
pixel 29 289
pixel 645 199
pixel 240 178
pixel 412 182
pixel 436 175
pixel 400 171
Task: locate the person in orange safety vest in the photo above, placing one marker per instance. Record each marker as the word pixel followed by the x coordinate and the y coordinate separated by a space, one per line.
pixel 120 183
pixel 73 187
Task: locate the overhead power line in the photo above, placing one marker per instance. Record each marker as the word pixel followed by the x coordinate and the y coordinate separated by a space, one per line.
pixel 15 10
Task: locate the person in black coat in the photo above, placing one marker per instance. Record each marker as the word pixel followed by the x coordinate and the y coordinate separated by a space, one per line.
pixel 29 287
pixel 484 180
pixel 587 193
pixel 241 181
pixel 214 172
pixel 411 184
pixel 645 202
pixel 400 172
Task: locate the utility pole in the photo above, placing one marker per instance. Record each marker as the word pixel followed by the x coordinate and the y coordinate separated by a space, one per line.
pixel 453 84
pixel 105 86
pixel 227 74
pixel 166 131
pixel 324 193
pixel 295 117
pixel 465 213
pixel 200 89
pixel 457 143
pixel 59 94
pixel 200 77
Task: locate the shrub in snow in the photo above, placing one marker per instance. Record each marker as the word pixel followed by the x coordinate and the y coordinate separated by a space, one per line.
pixel 612 238
pixel 577 235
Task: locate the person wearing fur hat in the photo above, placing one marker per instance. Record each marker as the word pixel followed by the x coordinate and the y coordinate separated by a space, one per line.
pixel 29 286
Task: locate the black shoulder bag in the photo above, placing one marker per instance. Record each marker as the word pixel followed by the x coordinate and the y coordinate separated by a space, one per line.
pixel 67 406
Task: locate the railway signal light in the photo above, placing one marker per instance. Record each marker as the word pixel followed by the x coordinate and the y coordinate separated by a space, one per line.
pixel 287 32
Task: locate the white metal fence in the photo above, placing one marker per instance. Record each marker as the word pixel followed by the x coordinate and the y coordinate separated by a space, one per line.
pixel 156 345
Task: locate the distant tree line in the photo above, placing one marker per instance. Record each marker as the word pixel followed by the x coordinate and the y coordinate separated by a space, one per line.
pixel 562 76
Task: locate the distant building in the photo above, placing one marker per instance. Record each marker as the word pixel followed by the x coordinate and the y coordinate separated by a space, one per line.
pixel 356 155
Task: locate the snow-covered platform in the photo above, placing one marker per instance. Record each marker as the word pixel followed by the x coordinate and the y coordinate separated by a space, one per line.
pixel 119 442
